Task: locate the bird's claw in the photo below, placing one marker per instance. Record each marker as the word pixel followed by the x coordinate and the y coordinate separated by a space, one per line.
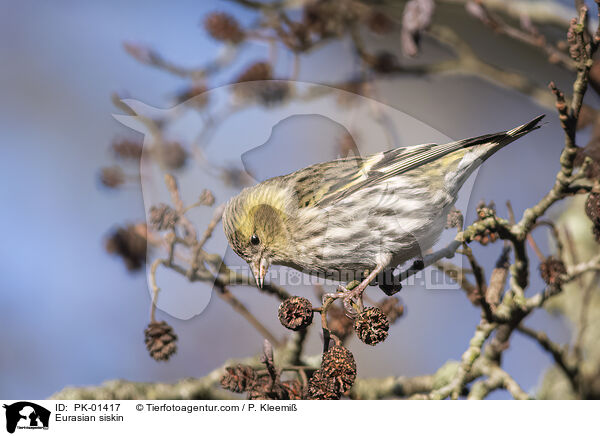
pixel 352 308
pixel 348 296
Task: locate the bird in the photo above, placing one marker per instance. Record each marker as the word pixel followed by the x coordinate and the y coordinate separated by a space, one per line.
pixel 356 217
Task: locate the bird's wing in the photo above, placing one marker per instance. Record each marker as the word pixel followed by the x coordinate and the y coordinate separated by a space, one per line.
pixel 399 161
pixel 323 184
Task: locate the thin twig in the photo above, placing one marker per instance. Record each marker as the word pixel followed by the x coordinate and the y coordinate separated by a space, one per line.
pixel 584 316
pixel 155 288
pixel 559 354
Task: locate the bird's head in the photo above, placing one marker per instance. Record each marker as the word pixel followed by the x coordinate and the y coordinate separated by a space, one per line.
pixel 255 223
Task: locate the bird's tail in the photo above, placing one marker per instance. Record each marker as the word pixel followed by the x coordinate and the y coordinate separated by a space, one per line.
pixel 486 145
pixel 526 128
pixel 480 148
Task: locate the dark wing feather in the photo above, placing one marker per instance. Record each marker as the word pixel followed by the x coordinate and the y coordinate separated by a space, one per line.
pixel 393 164
pixel 399 164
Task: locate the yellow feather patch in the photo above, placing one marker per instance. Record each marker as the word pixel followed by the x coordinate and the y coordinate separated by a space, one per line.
pixel 269 195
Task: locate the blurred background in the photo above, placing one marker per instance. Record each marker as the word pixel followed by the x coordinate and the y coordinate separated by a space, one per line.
pixel 74 315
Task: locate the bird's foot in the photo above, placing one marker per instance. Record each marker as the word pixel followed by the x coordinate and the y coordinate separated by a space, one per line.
pixel 352 298
pixel 419 263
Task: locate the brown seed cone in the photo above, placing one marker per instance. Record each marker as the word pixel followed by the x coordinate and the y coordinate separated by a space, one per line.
pixel 312 17
pixel 262 390
pixel 196 92
pixel 239 378
pixel 327 18
pixel 551 270
pixel 339 364
pixel 206 198
pixel 162 217
pixel 392 308
pixel 129 243
pixel 295 313
pixel 319 19
pixel 161 340
pixel 592 207
pixel 294 389
pixel 112 177
pixel 266 91
pixel 172 155
pixel 274 92
pixel 322 388
pixel 127 149
pixel 266 389
pixel 371 326
pixel 256 71
pixel 223 27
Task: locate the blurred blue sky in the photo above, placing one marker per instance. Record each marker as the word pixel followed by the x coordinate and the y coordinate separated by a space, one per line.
pixel 71 315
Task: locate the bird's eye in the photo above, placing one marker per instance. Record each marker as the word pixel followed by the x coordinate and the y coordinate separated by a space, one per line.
pixel 254 240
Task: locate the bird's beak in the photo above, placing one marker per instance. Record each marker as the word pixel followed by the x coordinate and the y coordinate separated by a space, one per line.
pixel 259 268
